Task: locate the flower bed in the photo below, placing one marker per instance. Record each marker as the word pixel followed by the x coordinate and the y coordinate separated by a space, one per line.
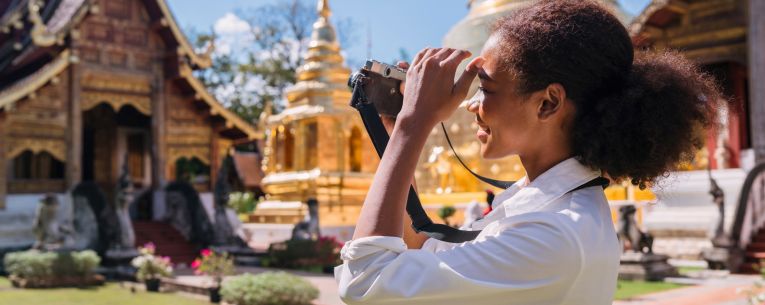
pixel 35 269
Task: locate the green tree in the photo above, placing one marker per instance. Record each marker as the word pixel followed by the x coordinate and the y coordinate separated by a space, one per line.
pixel 247 78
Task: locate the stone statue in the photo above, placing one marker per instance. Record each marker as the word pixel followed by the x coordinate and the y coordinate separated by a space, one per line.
pixel 718 197
pixel 630 235
pixel 641 263
pixel 719 255
pixel 224 233
pixel 308 229
pixel 123 200
pixel 51 230
pixel 85 224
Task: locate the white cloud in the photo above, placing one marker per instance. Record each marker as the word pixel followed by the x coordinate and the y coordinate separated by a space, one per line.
pixel 231 24
pixel 232 33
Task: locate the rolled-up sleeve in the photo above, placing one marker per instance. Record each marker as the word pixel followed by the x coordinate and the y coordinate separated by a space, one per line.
pixel 526 263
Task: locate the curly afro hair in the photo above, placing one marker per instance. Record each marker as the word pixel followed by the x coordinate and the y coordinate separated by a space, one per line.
pixel 636 114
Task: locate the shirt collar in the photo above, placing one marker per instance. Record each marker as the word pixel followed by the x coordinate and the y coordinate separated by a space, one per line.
pixel 549 186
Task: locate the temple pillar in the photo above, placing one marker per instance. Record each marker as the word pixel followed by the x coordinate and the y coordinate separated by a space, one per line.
pixel 3 162
pixel 74 132
pixel 158 162
pixel 215 157
pixel 756 37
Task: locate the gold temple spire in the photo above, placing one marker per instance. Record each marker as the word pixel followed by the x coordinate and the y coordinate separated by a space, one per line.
pixel 322 76
pixel 323 9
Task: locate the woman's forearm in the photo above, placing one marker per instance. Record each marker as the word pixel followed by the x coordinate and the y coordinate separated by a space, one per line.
pixel 385 202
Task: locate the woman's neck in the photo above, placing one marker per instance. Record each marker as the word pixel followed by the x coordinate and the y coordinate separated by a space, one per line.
pixel 536 164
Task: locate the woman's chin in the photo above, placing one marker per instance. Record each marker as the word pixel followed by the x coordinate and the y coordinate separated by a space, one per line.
pixel 488 153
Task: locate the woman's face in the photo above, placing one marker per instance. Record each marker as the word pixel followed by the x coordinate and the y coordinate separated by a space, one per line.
pixel 506 121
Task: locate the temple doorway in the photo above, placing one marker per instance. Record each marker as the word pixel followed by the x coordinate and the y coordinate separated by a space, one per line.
pixel 117 139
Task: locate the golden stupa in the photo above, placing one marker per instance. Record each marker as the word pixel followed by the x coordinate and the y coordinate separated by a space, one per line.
pixel 317 147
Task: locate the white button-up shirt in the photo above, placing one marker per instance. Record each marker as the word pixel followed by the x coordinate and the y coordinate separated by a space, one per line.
pixel 542 244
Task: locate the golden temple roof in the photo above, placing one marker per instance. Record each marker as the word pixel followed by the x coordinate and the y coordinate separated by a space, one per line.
pixel 322 78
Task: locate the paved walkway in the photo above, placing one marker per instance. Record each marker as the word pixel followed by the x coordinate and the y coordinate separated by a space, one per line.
pixel 723 291
pixel 715 291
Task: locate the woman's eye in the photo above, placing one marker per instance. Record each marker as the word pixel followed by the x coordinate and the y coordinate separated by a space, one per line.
pixel 483 90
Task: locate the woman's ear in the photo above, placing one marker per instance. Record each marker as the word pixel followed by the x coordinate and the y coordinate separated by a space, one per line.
pixel 553 98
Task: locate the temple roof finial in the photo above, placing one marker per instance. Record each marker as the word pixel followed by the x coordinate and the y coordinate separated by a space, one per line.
pixel 323 9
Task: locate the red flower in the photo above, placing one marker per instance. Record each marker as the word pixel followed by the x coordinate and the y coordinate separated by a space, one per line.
pixel 206 252
pixel 196 263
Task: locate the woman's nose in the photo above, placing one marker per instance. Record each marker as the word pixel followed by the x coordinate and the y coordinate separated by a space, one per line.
pixel 474 103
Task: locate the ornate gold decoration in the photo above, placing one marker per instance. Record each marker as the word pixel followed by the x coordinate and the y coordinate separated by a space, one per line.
pixel 35 81
pixel 200 152
pixel 91 99
pixel 39 33
pixel 55 147
pixel 137 85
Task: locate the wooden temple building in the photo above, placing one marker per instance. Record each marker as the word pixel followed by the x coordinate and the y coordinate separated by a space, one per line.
pixel 87 85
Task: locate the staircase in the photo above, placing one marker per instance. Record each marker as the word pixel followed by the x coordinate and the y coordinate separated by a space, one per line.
pixel 168 241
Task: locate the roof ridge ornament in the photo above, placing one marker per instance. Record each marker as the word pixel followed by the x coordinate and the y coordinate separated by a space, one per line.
pixel 323 9
pixel 207 55
pixel 40 35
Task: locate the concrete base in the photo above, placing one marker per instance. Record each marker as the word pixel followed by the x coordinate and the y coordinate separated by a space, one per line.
pixel 717 258
pixel 645 267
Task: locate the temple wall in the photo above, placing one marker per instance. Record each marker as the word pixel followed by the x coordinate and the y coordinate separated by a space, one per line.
pixel 38 123
pixel 188 132
pixel 120 36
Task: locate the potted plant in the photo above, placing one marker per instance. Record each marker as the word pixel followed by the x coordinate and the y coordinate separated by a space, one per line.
pixel 151 268
pixel 216 266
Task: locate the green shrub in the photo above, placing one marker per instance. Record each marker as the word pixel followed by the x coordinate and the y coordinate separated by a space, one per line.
pixel 242 202
pixel 305 254
pixel 270 288
pixel 445 213
pixel 36 265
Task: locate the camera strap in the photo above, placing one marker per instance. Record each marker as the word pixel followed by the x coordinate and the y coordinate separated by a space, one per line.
pixel 496 183
pixel 420 220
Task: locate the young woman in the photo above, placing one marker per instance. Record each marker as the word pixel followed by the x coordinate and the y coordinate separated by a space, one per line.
pixel 563 89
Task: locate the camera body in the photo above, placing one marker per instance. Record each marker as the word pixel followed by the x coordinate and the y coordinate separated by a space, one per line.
pixel 382 86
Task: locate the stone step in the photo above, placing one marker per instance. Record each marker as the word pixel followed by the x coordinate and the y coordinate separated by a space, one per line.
pixel 755 254
pixel 756 246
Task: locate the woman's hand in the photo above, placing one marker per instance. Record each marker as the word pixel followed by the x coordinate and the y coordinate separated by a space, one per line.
pixel 432 95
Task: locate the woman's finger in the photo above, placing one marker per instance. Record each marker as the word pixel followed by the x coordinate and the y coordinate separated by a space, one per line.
pixel 462 85
pixel 426 57
pixel 403 65
pixel 419 56
pixel 456 58
pixel 443 54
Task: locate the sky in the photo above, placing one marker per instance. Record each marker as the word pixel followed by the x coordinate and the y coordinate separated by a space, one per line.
pixel 392 24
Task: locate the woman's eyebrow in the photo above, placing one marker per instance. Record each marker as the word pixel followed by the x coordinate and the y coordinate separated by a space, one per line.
pixel 483 76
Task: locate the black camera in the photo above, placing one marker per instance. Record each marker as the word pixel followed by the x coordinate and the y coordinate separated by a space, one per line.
pixel 381 84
